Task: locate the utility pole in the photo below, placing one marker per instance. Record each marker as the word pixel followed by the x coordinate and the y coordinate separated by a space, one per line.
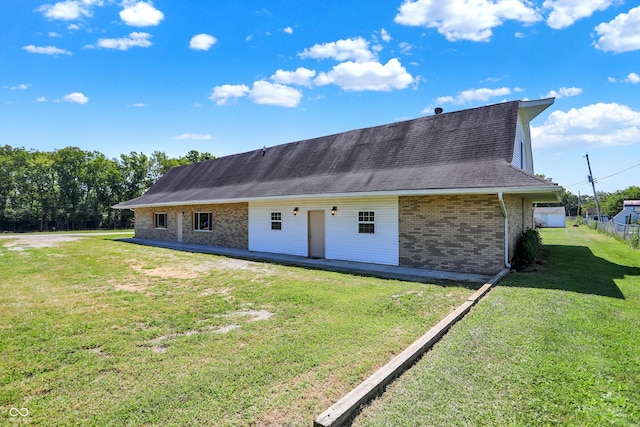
pixel 593 185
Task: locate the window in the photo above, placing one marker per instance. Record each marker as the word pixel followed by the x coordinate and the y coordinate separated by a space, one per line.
pixel 366 222
pixel 202 221
pixel 160 220
pixel 276 220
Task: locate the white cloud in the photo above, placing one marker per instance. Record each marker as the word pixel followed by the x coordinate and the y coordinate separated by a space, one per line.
pixel 53 34
pixel 288 30
pixel 134 40
pixel 68 10
pixel 140 14
pixel 519 35
pixel 405 48
pixel 385 35
pixel 195 136
pixel 138 105
pixel 565 12
pixel 264 92
pixel 564 92
pixel 222 94
pixel 41 99
pixel 73 27
pixel 465 19
pixel 473 95
pixel 360 76
pixel 46 50
pixel 76 97
pixel 632 78
pixel 202 42
pixel 21 86
pixel 349 49
pixel 621 34
pixel 596 125
pixel 301 76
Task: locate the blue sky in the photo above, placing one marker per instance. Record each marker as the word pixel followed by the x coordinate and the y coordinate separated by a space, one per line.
pixel 232 76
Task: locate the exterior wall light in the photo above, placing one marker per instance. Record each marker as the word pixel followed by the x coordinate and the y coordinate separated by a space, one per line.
pixel 296 211
pixel 334 210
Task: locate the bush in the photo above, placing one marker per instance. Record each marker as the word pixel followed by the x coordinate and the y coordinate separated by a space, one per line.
pixel 635 238
pixel 528 247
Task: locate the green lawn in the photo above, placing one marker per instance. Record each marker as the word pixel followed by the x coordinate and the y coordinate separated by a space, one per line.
pixel 99 332
pixel 558 346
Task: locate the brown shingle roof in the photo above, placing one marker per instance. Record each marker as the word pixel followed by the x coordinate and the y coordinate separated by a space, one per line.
pixel 465 149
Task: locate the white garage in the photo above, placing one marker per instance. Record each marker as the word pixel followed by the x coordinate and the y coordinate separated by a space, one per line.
pixel 553 217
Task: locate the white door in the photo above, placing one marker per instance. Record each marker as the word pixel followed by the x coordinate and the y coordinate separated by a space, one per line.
pixel 316 234
pixel 179 227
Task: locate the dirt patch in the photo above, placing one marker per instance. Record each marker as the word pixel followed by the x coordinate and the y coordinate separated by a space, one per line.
pixel 35 241
pixel 97 351
pixel 225 329
pixel 181 269
pixel 160 344
pixel 130 287
pixel 255 315
pixel 165 271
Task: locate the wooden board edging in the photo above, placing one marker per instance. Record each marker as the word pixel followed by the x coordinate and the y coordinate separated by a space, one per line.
pixel 345 409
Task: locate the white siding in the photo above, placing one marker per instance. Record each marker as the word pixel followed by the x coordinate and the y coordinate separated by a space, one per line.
pixel 342 240
pixel 519 151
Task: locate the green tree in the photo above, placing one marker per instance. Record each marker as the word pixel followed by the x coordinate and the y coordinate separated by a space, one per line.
pixel 41 179
pixel 194 156
pixel 613 204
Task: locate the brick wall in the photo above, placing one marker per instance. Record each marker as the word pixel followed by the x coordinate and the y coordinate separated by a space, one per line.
pixel 452 233
pixel 520 214
pixel 230 223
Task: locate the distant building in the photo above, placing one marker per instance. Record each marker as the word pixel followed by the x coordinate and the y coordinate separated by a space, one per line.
pixel 553 217
pixel 629 214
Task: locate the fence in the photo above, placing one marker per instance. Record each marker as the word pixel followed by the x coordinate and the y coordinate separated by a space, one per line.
pixel 629 232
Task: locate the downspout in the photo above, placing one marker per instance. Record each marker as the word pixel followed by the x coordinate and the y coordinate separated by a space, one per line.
pixel 506 230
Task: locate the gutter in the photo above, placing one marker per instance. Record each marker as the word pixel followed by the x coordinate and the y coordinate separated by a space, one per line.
pixel 530 191
pixel 506 230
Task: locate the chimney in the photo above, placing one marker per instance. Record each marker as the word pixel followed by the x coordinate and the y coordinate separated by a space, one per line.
pixel 438 110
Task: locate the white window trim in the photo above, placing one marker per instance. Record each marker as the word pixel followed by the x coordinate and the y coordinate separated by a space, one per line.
pixel 373 222
pixel 274 221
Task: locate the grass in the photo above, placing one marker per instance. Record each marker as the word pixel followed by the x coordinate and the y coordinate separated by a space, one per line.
pixel 558 346
pixel 99 332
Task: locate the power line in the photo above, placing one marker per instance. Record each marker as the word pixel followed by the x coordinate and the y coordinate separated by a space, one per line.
pixel 585 181
pixel 618 173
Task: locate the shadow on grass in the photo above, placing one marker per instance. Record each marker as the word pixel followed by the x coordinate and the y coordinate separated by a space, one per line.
pixel 575 269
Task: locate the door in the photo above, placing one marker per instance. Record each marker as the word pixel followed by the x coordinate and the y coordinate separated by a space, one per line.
pixel 179 227
pixel 316 234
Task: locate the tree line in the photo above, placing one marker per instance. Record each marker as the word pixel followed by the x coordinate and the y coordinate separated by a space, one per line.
pixel 584 204
pixel 73 189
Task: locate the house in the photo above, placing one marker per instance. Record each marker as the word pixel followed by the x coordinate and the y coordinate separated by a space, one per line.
pixel 450 192
pixel 629 214
pixel 550 217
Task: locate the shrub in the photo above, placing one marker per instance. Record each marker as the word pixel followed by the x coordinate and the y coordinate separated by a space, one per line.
pixel 635 238
pixel 528 247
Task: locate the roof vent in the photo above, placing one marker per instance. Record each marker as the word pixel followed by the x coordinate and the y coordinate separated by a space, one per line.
pixel 438 110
